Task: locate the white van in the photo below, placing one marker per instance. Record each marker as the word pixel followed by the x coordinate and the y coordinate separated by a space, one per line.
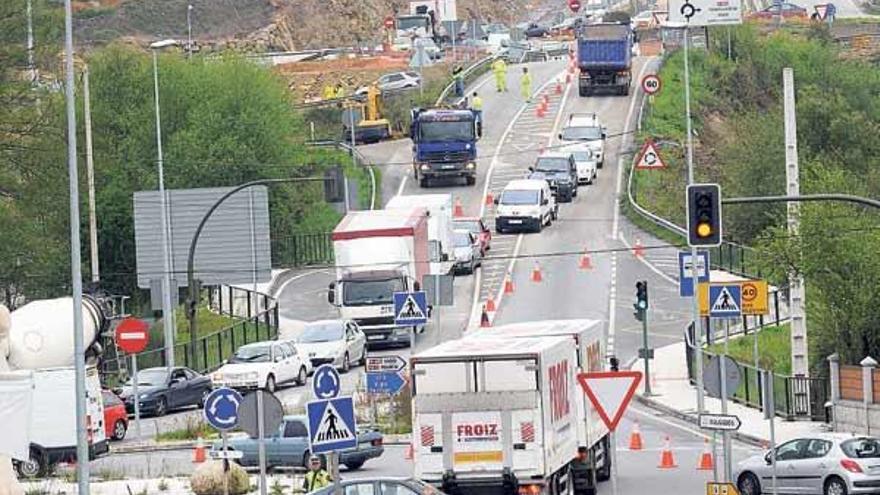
pixel 525 204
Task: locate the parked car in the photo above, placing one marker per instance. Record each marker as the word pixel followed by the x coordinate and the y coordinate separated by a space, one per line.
pixel 395 81
pixel 536 31
pixel 336 342
pixel 467 252
pixel 648 19
pixel 827 463
pixel 585 161
pixel 262 365
pixel 560 171
pixel 289 447
pixel 525 204
pixel 787 10
pixel 161 392
pixel 382 486
pixel 476 226
pixel 115 416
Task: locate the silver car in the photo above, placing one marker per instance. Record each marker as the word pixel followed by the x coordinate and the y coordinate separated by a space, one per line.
pixel 467 252
pixel 828 464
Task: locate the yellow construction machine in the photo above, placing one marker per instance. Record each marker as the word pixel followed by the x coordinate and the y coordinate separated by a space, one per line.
pixel 369 125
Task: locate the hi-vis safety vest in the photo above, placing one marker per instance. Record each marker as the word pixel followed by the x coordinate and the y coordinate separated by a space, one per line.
pixel 315 480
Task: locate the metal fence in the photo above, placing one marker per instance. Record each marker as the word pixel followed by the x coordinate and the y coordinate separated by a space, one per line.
pixel 303 250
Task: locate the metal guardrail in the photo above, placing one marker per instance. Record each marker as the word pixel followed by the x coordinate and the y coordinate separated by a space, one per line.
pixel 469 73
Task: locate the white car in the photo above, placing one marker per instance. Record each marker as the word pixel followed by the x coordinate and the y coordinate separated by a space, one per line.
pixel 262 365
pixel 396 81
pixel 825 463
pixel 587 129
pixel 587 167
pixel 525 204
pixel 336 342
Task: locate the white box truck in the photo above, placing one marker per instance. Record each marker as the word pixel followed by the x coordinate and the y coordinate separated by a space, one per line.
pixel 53 420
pixel 378 253
pixel 496 415
pixel 589 338
pixel 441 245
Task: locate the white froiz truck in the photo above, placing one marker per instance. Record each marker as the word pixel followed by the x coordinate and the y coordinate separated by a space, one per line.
pixel 589 338
pixel 496 415
pixel 378 253
pixel 441 246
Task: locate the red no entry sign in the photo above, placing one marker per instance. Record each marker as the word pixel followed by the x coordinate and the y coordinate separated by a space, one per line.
pixel 651 84
pixel 574 5
pixel 132 335
pixel 389 22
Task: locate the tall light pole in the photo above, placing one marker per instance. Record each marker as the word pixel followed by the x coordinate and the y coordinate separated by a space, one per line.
pixel 79 356
pixel 90 174
pixel 32 69
pixel 167 259
pixel 189 31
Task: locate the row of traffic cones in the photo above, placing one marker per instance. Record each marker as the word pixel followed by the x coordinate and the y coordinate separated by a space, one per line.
pixel 667 459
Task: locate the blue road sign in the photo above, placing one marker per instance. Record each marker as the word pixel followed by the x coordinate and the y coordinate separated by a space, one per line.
pixel 410 308
pixel 725 300
pixel 388 382
pixel 686 276
pixel 221 408
pixel 325 382
pixel 332 425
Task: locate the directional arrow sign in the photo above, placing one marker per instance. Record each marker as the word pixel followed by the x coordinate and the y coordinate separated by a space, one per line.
pixel 389 382
pixel 727 422
pixel 610 393
pixel 381 364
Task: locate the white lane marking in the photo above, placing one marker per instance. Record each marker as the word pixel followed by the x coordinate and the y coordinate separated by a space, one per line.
pixel 648 264
pixel 402 184
pixel 612 306
pixel 297 277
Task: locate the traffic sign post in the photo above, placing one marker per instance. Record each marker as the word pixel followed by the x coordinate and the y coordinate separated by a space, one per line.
pixel 700 13
pixel 685 271
pixel 221 412
pixel 649 157
pixel 723 422
pixel 651 84
pixel 261 411
pixel 574 5
pixel 411 308
pixel 132 336
pixel 385 375
pixel 388 22
pixel 713 488
pixel 325 382
pixel 720 300
pixel 754 298
pixel 332 425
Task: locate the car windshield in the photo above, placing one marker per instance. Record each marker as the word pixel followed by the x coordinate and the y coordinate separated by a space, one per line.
pixel 519 197
pixel 472 226
pixel 552 164
pixel 321 332
pixel 861 448
pixel 582 156
pixel 369 292
pixel 581 133
pixel 411 22
pixel 446 131
pixel 151 377
pixel 252 354
pixel 462 239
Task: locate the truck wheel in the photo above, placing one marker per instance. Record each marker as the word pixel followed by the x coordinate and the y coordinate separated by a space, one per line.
pixel 583 91
pixel 354 465
pixel 470 180
pixel 35 467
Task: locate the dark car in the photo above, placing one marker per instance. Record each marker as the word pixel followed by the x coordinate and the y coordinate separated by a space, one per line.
pixel 289 447
pixel 787 10
pixel 560 171
pixel 161 391
pixel 382 486
pixel 536 31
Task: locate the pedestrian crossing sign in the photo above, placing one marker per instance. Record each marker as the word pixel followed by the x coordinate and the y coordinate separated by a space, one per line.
pixel 725 300
pixel 410 308
pixel 332 425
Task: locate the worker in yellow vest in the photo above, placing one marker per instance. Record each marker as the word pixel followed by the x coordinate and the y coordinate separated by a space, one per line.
pixel 499 68
pixel 340 91
pixel 525 85
pixel 477 107
pixel 328 93
pixel 316 477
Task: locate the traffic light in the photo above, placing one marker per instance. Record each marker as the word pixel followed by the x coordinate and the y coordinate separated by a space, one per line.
pixel 614 363
pixel 704 214
pixel 641 304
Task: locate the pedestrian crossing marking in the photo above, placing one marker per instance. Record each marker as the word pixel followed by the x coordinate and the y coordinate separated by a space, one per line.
pixel 410 309
pixel 332 427
pixel 725 302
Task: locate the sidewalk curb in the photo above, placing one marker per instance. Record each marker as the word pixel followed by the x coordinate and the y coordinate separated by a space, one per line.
pixel 663 408
pixel 404 439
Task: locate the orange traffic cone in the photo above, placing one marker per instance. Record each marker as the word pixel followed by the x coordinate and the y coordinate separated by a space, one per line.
pixel 508 285
pixel 458 210
pixel 484 318
pixel 586 263
pixel 490 304
pixel 635 438
pixel 638 249
pixel 199 451
pixel 667 461
pixel 568 77
pixel 558 87
pixel 546 101
pixel 536 273
pixel 490 199
pixel 408 454
pixel 542 149
pixel 707 463
pixel 539 111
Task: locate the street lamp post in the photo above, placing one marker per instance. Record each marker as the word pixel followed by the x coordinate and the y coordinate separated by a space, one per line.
pixel 167 260
pixel 189 31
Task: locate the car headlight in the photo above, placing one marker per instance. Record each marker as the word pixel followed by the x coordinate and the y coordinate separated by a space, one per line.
pixel 470 166
pixel 217 377
pixel 252 375
pixel 401 331
pixel 424 166
pixel 144 396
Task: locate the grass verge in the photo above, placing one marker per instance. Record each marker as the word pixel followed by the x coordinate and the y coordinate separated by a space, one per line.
pixel 774 349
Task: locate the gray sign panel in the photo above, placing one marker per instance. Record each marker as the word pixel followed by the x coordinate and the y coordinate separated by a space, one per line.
pixel 233 248
pixel 273 414
pixel 712 376
pixel 442 284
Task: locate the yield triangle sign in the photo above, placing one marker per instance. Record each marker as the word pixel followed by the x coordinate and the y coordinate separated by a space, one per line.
pixel 822 10
pixel 610 392
pixel 649 157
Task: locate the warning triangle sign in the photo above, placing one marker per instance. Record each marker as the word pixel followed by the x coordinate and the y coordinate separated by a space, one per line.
pixel 822 10
pixel 649 157
pixel 610 393
pixel 332 427
pixel 410 309
pixel 725 302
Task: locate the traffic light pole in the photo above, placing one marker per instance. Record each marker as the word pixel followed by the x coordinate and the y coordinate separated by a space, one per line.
pixel 645 351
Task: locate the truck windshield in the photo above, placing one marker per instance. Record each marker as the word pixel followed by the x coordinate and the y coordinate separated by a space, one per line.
pixel 446 131
pixel 514 197
pixel 370 292
pixel 411 22
pixel 552 164
pixel 581 133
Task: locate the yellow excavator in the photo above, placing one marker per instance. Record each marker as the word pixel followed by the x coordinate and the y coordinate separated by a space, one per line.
pixel 369 126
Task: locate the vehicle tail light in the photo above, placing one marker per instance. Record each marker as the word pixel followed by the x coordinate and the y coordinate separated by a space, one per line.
pixel 376 442
pixel 623 73
pixel 850 465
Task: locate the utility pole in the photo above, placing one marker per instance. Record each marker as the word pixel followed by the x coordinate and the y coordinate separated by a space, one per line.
pixel 79 355
pixel 189 31
pixel 797 294
pixel 90 174
pixel 32 69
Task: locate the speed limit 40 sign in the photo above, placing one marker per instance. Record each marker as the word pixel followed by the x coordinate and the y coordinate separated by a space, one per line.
pixel 651 84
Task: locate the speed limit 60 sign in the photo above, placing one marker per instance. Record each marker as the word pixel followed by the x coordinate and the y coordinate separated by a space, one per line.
pixel 651 84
